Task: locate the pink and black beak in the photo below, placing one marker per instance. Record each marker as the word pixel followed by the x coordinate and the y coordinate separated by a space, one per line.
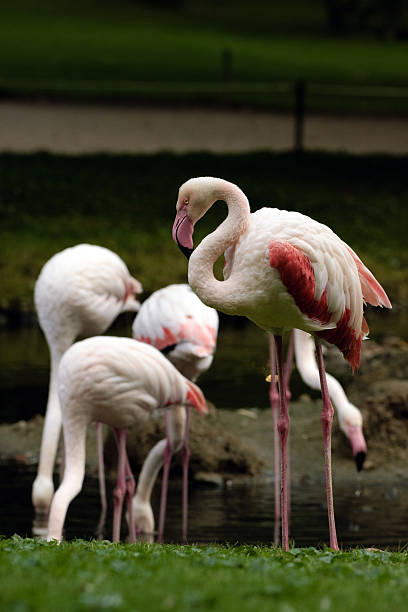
pixel 183 230
pixel 358 444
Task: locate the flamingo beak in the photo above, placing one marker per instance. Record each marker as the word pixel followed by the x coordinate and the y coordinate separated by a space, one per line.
pixel 183 230
pixel 358 445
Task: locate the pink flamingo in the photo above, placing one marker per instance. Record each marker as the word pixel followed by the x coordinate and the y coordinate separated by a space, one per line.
pixel 175 321
pixel 283 270
pixel 79 292
pixel 116 381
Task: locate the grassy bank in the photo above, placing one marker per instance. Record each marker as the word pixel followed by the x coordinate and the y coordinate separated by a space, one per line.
pixel 127 203
pixel 108 50
pixel 83 576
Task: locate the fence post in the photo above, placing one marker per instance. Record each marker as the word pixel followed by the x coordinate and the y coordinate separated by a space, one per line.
pixel 300 103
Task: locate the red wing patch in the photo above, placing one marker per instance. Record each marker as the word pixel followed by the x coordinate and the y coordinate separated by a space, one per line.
pixel 296 273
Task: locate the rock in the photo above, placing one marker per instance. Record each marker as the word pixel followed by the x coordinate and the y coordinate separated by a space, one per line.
pixel 214 448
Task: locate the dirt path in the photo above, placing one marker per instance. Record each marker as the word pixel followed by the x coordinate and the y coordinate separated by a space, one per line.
pixel 76 129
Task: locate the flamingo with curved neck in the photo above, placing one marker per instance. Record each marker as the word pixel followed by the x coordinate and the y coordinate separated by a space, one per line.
pixel 283 271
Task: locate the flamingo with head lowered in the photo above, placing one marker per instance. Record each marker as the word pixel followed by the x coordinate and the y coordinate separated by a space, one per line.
pixel 175 321
pixel 116 381
pixel 80 291
pixel 349 416
pixel 284 271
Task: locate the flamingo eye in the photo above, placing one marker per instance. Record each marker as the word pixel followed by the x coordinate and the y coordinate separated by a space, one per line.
pixel 186 202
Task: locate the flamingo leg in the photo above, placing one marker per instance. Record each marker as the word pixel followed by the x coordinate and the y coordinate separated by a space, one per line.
pixel 185 454
pixel 283 428
pixel 130 491
pixel 326 420
pixel 287 374
pixel 274 401
pixel 120 489
pixel 165 482
pixel 102 481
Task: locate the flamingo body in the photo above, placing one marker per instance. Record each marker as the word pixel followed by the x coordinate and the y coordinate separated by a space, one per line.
pixel 175 321
pixel 283 269
pixel 116 381
pixel 79 292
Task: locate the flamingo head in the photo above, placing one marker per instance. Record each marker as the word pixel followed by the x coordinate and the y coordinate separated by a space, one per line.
pixel 352 425
pixel 195 197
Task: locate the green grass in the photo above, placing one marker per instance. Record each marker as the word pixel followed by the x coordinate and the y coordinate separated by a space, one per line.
pixel 82 576
pixel 104 50
pixel 127 203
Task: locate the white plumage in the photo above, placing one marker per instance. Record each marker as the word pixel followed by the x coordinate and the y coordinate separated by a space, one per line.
pixel 117 381
pixel 283 271
pixel 176 321
pixel 79 292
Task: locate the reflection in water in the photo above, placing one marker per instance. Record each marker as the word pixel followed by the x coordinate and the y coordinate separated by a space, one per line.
pixel 241 514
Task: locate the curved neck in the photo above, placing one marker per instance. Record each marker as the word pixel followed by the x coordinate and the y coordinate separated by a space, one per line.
pixel 201 266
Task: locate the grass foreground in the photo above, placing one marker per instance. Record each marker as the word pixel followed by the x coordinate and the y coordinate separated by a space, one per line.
pixel 80 575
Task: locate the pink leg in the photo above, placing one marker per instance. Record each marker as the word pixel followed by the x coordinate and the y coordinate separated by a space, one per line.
pixel 101 477
pixel 326 420
pixel 120 489
pixel 185 454
pixel 287 374
pixel 130 491
pixel 274 401
pixel 283 428
pixel 165 481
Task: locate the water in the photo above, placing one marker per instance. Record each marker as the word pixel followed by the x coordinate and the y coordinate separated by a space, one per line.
pixel 371 511
pixel 374 515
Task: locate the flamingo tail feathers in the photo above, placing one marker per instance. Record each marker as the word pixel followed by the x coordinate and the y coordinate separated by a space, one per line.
pixel 196 397
pixel 372 291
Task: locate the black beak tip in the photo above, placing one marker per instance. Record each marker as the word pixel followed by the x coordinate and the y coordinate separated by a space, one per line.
pixel 187 252
pixel 359 459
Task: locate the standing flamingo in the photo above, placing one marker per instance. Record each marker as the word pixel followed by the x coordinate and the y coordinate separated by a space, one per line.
pixel 175 321
pixel 283 270
pixel 79 292
pixel 116 381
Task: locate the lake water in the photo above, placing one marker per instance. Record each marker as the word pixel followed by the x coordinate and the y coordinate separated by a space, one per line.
pixel 370 514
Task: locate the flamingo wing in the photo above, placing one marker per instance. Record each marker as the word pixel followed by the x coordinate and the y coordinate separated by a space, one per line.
pixel 322 278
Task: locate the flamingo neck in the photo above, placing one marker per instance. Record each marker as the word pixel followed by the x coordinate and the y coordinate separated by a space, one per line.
pixel 215 293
